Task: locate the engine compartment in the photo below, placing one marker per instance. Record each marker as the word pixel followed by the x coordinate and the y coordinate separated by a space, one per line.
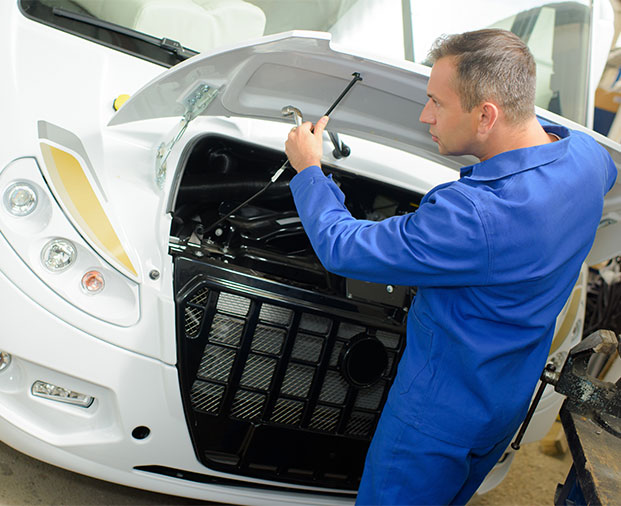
pixel 266 236
pixel 284 367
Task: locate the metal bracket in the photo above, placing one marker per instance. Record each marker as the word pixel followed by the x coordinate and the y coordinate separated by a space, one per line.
pixel 585 394
pixel 195 103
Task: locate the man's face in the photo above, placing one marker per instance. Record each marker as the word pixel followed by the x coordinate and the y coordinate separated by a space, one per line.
pixel 453 129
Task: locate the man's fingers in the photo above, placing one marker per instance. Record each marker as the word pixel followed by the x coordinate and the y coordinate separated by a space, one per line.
pixel 304 145
pixel 320 126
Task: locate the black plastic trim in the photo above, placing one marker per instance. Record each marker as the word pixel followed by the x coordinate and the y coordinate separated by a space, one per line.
pixel 238 426
pixel 119 38
pixel 230 482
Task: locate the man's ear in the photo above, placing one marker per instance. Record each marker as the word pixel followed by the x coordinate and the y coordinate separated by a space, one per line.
pixel 488 115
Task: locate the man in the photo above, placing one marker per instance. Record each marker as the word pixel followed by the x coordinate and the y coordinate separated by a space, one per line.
pixel 494 255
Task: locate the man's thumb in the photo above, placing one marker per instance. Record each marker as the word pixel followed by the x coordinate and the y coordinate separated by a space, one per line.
pixel 321 125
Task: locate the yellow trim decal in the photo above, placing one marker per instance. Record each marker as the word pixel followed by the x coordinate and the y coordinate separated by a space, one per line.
pixel 81 201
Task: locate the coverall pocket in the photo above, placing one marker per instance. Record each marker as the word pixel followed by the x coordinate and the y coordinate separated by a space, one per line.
pixel 416 356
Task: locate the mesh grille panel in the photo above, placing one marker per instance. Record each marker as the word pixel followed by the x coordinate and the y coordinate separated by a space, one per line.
pixel 206 396
pixel 388 339
pixel 193 318
pixel 360 424
pixel 348 330
pixel 314 323
pixel 334 388
pixel 297 380
pixel 275 314
pixel 216 363
pixel 268 339
pixel 336 353
pixel 391 361
pixel 247 405
pixel 370 398
pixel 287 412
pixel 325 418
pixel 258 372
pixel 200 297
pixel 307 347
pixel 233 304
pixel 226 330
pixel 267 398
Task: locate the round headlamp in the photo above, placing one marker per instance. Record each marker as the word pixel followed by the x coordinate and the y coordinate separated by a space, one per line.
pixel 20 199
pixel 58 254
pixel 5 360
pixel 93 282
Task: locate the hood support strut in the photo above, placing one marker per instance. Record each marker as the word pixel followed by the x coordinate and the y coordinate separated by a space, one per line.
pixel 195 103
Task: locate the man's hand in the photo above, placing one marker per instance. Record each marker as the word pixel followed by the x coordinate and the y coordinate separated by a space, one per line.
pixel 303 147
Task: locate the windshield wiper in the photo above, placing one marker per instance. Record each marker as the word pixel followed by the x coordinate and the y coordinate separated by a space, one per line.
pixel 170 45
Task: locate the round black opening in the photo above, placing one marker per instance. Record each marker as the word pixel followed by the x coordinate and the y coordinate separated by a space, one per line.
pixel 141 432
pixel 363 360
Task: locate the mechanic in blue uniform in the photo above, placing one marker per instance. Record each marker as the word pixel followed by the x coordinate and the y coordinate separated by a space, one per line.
pixel 494 256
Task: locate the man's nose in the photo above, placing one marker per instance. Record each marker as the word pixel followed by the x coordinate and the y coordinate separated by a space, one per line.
pixel 426 115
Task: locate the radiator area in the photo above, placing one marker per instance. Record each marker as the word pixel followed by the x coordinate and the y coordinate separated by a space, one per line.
pixel 266 377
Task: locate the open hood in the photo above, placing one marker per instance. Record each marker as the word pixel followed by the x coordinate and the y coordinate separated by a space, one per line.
pixel 304 69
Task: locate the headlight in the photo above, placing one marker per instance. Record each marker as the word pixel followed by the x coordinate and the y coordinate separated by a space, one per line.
pixel 5 360
pixel 93 282
pixel 20 199
pixel 50 245
pixel 60 394
pixel 58 254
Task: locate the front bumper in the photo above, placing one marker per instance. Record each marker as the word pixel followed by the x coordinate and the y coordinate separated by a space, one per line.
pixel 130 391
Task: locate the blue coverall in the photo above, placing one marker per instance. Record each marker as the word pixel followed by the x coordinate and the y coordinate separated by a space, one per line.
pixel 494 256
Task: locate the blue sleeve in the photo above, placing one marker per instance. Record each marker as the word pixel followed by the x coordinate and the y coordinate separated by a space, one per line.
pixel 443 243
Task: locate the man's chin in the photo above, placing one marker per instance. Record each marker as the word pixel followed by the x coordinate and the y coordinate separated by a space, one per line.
pixel 444 151
pixel 442 148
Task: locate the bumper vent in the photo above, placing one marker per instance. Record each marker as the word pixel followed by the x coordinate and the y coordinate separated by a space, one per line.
pixel 261 379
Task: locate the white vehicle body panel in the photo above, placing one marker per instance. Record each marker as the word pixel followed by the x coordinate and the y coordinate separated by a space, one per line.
pixel 125 355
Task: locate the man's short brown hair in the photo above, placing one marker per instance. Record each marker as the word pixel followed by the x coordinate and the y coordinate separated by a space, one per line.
pixel 494 65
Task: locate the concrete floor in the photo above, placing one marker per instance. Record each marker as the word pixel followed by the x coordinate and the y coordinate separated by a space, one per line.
pixel 531 480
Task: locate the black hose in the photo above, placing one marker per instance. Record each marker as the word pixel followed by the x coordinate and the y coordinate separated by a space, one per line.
pixel 231 213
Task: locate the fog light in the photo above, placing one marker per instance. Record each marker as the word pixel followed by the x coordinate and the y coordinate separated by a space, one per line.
pixel 20 199
pixel 5 360
pixel 93 282
pixel 58 254
pixel 56 393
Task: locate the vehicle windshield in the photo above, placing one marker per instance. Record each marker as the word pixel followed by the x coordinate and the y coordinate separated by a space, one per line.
pixel 558 33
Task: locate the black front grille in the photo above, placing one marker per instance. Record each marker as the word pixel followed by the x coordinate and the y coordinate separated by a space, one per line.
pixel 262 386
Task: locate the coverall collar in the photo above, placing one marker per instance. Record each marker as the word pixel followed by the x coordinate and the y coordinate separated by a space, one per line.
pixel 519 160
